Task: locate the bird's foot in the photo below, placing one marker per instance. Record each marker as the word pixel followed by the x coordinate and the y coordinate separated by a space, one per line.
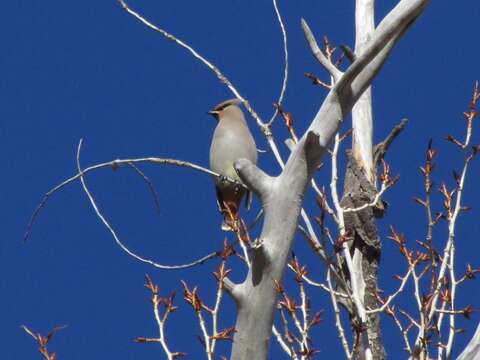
pixel 223 179
pixel 257 244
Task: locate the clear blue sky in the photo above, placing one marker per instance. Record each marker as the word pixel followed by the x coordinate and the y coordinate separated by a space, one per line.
pixel 85 69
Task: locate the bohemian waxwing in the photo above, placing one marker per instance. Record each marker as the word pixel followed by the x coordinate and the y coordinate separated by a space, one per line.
pixel 231 141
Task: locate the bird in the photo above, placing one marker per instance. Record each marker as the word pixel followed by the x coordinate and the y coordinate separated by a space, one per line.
pixel 232 140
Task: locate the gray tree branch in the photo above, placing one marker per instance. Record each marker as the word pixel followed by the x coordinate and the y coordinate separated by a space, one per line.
pixel 283 198
pixel 362 117
pixel 472 350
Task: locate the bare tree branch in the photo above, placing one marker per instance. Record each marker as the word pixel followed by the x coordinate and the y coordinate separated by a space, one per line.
pixel 43 341
pixel 161 319
pixel 113 232
pixel 265 127
pixel 338 319
pixel 355 269
pixel 453 207
pixel 149 184
pixel 319 55
pixel 472 350
pixel 283 345
pixel 198 56
pixel 285 71
pixel 362 115
pixel 282 207
pixel 387 303
pixel 115 164
pixel 382 148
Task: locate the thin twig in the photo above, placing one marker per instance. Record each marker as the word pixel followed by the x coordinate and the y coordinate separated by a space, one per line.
pixel 161 331
pixel 372 203
pixel 470 116
pixel 318 284
pixel 216 309
pixel 114 234
pixel 319 55
pixel 386 304
pixel 160 319
pixel 285 71
pixel 327 206
pixel 115 164
pixel 149 184
pixel 263 126
pixel 338 319
pixel 289 336
pixel 282 343
pixel 447 252
pixel 206 337
pixel 453 290
pixel 43 341
pixel 198 56
pixel 403 331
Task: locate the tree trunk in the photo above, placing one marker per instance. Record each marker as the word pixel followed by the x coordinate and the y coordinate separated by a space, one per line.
pixel 282 196
pixel 366 245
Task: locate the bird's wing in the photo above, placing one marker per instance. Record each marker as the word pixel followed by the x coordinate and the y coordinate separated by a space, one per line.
pixel 219 199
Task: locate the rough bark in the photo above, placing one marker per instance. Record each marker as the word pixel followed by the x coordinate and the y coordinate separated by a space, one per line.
pixel 360 187
pixel 282 196
pixel 366 244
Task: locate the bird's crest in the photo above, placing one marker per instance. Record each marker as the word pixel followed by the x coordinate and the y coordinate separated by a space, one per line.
pixel 226 103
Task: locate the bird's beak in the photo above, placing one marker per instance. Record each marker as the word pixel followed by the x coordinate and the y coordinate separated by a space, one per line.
pixel 214 113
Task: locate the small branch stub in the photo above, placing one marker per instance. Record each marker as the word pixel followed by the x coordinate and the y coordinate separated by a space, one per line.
pixel 254 178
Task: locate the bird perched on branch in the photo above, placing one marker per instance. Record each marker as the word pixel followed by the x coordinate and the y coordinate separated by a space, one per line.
pixel 231 141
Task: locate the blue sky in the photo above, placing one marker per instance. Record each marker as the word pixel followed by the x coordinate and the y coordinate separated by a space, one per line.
pixel 87 70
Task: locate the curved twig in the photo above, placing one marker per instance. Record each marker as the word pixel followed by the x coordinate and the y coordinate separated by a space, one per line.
pixel 370 204
pixel 319 285
pixel 114 164
pixel 198 56
pixel 114 234
pixel 387 302
pixel 285 71
pixel 149 184
pixel 263 126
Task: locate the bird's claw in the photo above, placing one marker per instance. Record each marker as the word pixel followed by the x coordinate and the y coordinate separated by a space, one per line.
pixel 223 179
pixel 257 244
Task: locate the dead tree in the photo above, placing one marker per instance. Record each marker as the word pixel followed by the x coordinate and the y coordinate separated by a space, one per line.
pixel 358 247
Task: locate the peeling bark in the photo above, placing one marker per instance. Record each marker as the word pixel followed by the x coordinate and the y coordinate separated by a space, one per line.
pixel 366 245
pixel 282 196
